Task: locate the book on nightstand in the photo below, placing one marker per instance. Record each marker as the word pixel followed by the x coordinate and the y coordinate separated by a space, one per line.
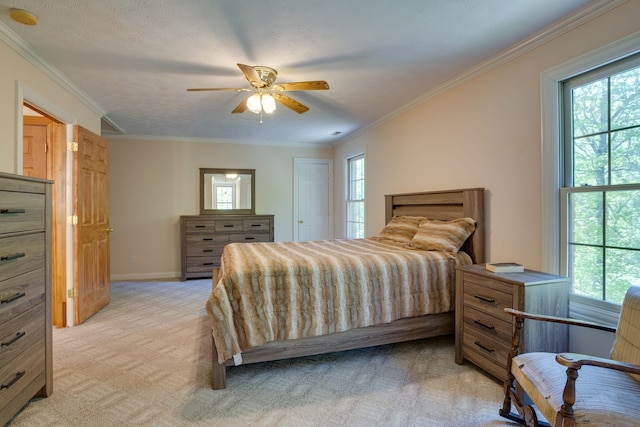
pixel 504 267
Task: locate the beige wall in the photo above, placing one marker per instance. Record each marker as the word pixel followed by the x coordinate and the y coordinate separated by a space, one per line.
pixel 483 133
pixel 19 77
pixel 154 182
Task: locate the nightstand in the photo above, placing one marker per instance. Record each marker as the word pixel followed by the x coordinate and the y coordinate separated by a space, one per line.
pixel 484 330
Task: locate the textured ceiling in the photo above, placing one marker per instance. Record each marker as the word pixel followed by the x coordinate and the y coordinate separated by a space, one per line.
pixel 134 59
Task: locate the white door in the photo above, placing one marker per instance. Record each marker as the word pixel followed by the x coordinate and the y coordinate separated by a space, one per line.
pixel 313 196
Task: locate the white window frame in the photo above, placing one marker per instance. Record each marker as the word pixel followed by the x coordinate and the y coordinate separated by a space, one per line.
pixel 552 181
pixel 348 199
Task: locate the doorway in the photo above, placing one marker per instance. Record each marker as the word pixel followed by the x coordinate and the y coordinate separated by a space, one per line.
pixel 44 156
pixel 80 210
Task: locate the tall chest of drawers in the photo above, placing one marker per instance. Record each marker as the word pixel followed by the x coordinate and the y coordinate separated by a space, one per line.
pixel 484 330
pixel 203 238
pixel 25 292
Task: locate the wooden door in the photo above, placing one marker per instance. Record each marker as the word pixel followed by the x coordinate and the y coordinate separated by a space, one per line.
pixel 35 135
pixel 312 204
pixel 91 233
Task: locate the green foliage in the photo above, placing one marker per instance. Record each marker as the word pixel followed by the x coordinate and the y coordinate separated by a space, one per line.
pixel 604 252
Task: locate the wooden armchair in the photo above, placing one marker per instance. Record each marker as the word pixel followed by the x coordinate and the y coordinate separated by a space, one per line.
pixel 607 392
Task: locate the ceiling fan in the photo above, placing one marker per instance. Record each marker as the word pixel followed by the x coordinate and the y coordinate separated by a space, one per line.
pixel 266 93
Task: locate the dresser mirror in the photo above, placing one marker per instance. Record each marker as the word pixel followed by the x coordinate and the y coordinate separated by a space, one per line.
pixel 227 191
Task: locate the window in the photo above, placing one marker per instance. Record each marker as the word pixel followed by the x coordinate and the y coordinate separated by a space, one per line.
pixel 224 196
pixel 600 197
pixel 355 197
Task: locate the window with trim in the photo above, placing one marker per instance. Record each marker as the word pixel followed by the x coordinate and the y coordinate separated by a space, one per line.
pixel 355 197
pixel 600 197
pixel 224 196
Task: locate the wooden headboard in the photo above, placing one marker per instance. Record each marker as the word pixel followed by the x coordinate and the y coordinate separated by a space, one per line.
pixel 444 205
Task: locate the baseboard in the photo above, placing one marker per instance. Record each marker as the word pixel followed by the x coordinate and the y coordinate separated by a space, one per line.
pixel 172 275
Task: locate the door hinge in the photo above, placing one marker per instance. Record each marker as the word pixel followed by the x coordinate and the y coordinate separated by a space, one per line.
pixel 72 220
pixel 72 293
pixel 72 146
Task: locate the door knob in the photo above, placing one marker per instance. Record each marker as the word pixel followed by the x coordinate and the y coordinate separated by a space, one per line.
pixel 300 221
pixel 109 230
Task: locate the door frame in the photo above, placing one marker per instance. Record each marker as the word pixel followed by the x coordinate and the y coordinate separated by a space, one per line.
pixel 62 174
pixel 297 161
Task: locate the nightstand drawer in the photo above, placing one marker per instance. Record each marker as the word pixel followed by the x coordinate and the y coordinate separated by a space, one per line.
pixel 493 350
pixel 488 283
pixel 484 331
pixel 488 325
pixel 488 300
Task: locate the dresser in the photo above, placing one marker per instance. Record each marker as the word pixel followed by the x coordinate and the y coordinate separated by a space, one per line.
pixel 484 331
pixel 25 292
pixel 203 237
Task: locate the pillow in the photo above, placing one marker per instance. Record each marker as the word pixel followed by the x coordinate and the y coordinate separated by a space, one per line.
pixel 401 229
pixel 444 236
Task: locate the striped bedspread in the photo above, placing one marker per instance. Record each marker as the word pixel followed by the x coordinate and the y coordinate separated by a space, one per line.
pixel 288 290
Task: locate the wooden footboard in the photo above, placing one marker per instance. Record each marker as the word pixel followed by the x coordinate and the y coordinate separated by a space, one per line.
pixel 399 331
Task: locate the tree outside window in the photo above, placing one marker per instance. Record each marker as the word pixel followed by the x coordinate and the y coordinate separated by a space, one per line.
pixel 601 194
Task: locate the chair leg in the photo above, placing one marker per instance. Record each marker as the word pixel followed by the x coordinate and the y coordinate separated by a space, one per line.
pixel 526 414
pixel 565 417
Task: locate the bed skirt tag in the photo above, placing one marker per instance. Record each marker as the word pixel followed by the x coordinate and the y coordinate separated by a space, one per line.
pixel 237 359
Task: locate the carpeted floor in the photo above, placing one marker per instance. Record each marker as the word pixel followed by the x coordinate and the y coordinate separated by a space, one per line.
pixel 144 360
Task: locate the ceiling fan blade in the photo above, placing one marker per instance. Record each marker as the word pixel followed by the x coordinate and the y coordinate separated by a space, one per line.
pixel 313 85
pixel 291 103
pixel 241 107
pixel 206 89
pixel 252 75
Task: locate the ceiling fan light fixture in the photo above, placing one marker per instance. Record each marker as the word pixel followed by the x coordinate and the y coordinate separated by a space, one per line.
pixel 253 103
pixel 268 103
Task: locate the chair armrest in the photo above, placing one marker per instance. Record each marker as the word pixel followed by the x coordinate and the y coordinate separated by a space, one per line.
pixel 563 320
pixel 576 361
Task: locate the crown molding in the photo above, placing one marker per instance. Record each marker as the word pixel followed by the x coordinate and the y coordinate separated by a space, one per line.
pixel 553 31
pixel 14 41
pixel 161 138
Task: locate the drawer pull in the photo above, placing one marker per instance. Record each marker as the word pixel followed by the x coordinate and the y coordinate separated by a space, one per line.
pixel 256 225
pixel 207 263
pixel 14 339
pixel 13 256
pixel 489 350
pixel 491 328
pixel 228 225
pixel 485 299
pixel 206 239
pixel 207 250
pixel 14 380
pixel 201 226
pixel 249 238
pixel 12 211
pixel 12 297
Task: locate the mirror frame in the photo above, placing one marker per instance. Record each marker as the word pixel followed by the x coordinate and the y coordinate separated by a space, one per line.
pixel 251 211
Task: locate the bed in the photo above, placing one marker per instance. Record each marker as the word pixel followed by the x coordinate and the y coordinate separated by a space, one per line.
pixel 408 292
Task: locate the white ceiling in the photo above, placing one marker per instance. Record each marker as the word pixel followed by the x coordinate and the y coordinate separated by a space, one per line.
pixel 134 59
